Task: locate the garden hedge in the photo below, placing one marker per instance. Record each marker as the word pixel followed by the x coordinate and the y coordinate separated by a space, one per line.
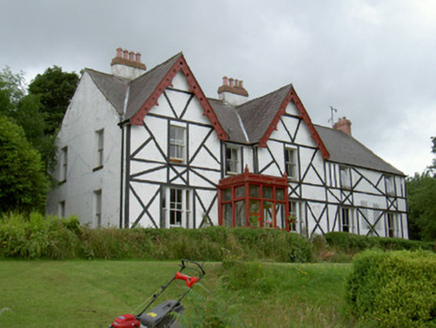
pixel 393 289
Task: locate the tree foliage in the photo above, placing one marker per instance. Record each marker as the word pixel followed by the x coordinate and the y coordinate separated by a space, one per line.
pixel 23 182
pixel 37 112
pixel 55 89
pixel 421 196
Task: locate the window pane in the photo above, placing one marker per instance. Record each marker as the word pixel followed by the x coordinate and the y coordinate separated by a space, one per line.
pixel 227 215
pixel 293 215
pixel 254 191
pixel 291 162
pixel 227 194
pixel 254 213
pixel 232 160
pixel 280 194
pixel 268 214
pixel 267 192
pixel 177 142
pixel 240 214
pixel 280 215
pixel 240 191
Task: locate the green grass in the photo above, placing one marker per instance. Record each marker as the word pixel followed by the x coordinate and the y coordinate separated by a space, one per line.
pixel 82 293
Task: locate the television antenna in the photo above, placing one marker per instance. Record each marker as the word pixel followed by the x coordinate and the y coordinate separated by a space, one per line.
pixel 332 111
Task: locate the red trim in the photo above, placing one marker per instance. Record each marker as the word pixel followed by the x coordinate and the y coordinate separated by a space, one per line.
pixel 194 87
pixel 292 96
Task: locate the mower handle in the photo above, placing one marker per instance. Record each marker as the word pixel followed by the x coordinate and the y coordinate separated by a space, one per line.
pixel 190 281
pixel 195 263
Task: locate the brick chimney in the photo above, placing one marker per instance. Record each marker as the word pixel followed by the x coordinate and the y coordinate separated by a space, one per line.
pixel 127 64
pixel 232 92
pixel 343 124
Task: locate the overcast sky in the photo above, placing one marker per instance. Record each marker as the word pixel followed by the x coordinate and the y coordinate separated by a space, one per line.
pixel 375 61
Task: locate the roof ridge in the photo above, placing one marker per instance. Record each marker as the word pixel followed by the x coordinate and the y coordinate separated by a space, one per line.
pixel 158 66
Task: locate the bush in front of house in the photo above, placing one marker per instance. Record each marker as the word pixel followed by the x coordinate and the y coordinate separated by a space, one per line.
pixel 393 289
pixel 35 236
pixel 352 243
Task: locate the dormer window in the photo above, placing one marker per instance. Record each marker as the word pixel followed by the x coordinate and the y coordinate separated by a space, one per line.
pixel 177 143
pixel 233 165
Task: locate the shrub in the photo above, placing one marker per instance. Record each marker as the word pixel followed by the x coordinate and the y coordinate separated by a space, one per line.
pixel 348 242
pixel 36 236
pixel 393 289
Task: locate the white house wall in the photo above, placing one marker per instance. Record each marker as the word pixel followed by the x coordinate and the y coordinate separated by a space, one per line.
pixel 151 171
pixel 89 112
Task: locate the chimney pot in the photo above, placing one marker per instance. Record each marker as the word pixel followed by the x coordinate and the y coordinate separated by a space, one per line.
pixel 126 53
pixel 231 82
pixel 119 50
pixel 240 84
pixel 131 55
pixel 236 83
pixel 138 57
pixel 225 80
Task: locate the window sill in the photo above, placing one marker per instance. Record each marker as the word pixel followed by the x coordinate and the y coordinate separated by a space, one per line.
pixel 97 168
pixel 176 160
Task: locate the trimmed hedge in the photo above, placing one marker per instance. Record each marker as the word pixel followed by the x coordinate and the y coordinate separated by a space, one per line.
pixel 348 242
pixel 393 289
pixel 39 237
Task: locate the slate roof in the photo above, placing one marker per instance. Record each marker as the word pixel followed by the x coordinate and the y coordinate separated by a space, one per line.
pixel 345 149
pixel 112 87
pixel 244 124
pixel 142 87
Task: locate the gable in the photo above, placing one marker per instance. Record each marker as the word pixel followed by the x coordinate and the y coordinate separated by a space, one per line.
pixel 147 89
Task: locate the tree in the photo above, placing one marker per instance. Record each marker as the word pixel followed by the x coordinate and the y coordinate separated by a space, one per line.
pixel 421 196
pixel 23 180
pixel 12 90
pixel 55 89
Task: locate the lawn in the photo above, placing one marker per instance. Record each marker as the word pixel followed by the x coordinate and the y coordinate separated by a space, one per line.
pixel 80 293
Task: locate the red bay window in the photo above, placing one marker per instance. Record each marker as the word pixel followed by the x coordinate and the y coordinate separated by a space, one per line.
pixel 253 200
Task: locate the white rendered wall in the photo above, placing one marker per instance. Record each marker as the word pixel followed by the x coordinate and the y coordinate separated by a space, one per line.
pixel 89 112
pixel 200 171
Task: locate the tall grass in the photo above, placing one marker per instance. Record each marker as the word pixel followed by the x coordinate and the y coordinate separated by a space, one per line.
pixel 37 236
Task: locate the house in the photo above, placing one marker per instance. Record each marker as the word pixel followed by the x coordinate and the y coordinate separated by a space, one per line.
pixel 147 148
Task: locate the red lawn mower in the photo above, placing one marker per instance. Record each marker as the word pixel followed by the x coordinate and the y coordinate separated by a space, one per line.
pixel 166 313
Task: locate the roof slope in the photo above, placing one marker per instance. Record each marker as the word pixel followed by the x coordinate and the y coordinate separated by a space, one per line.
pixel 345 149
pixel 142 87
pixel 258 114
pixel 230 120
pixel 112 87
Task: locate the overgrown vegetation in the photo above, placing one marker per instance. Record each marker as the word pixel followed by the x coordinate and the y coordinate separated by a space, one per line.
pixel 393 289
pixel 40 237
pixel 352 244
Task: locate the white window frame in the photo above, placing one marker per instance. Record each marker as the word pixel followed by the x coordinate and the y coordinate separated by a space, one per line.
pixel 291 162
pixel 177 145
pixel 345 177
pixel 233 165
pixel 182 206
pixel 99 145
pixel 390 185
pixel 392 225
pixel 98 206
pixel 295 211
pixel 351 227
pixel 64 164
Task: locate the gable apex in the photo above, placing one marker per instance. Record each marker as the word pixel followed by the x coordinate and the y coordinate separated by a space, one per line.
pixel 146 90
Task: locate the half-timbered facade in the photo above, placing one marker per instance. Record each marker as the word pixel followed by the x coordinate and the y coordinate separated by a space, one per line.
pixel 148 148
